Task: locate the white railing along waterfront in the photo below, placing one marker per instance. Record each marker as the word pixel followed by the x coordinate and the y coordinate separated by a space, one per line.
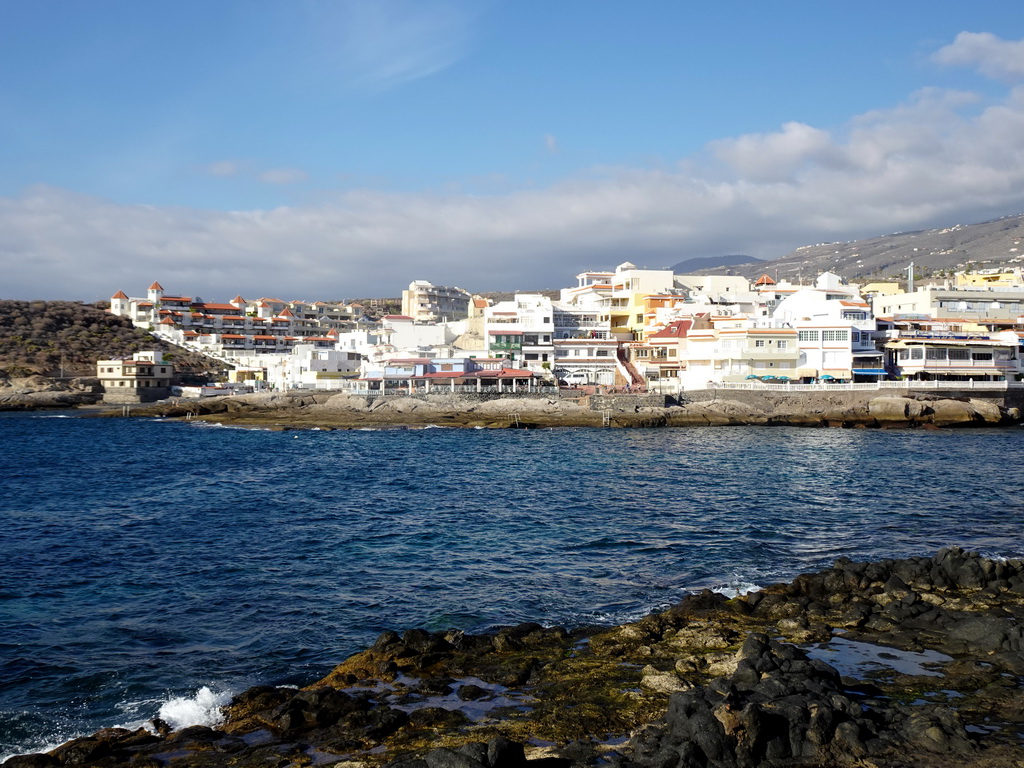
pixel 854 386
pixel 447 390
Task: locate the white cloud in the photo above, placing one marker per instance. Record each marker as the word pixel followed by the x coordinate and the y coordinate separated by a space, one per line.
pixel 993 56
pixel 939 158
pixel 775 156
pixel 283 176
pixel 551 143
pixel 383 44
pixel 223 168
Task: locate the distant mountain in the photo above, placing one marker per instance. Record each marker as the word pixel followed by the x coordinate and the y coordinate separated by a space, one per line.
pixel 691 266
pixel 933 251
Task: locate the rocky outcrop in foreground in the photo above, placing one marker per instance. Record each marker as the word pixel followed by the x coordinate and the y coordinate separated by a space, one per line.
pixel 341 411
pixel 708 683
pixel 31 393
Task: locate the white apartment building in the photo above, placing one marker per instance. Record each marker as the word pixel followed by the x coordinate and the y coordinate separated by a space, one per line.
pixel 236 328
pixel 736 354
pixel 836 331
pixel 975 304
pixel 522 330
pixel 425 302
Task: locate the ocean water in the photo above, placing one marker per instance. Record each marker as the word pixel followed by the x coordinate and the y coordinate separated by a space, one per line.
pixel 154 567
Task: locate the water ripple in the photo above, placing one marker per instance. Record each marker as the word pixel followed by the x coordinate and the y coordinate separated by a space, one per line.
pixel 146 560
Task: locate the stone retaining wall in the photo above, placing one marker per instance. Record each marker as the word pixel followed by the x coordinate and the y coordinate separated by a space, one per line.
pixel 849 399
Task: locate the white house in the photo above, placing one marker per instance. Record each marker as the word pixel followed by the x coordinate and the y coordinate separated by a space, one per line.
pixel 836 331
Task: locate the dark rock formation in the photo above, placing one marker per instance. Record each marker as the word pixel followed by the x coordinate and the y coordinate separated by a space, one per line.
pixel 780 708
pixel 709 683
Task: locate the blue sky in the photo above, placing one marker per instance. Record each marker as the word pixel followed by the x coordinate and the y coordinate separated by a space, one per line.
pixel 339 149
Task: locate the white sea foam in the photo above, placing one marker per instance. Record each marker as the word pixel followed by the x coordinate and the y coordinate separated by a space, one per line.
pixel 736 588
pixel 202 709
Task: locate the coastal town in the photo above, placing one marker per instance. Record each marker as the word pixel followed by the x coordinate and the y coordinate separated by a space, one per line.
pixel 629 330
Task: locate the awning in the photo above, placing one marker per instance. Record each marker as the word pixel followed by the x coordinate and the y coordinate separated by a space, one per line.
pixel 870 371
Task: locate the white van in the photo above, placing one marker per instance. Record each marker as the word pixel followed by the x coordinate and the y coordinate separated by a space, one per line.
pixel 576 379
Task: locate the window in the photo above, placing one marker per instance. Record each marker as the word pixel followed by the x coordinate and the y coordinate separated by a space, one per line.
pixel 935 354
pixel 782 344
pixel 759 342
pixel 835 335
pixel 671 353
pixel 917 353
pixel 808 335
pixel 981 355
pixel 602 353
pixel 959 354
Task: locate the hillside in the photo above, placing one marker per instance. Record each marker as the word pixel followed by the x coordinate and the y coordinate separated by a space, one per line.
pixel 933 252
pixel 691 266
pixel 47 336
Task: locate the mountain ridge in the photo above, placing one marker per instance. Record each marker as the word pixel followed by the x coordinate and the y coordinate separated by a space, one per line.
pixel 993 243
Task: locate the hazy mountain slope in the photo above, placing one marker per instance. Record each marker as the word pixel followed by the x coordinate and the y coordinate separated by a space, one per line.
pixel 690 266
pixel 990 243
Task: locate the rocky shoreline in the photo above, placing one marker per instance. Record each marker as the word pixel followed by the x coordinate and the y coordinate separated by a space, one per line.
pixel 711 681
pixel 328 410
pixel 298 409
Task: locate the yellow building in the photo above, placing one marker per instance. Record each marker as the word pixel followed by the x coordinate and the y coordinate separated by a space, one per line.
pixel 1000 278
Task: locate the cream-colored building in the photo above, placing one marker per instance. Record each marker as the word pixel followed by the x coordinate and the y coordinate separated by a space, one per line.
pixel 425 302
pixel 144 378
pixel 978 304
pixel 991 278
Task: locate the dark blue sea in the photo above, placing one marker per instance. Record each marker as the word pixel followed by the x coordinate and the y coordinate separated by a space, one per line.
pixel 153 567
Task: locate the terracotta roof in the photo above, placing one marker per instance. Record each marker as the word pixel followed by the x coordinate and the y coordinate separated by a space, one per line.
pixel 167 321
pixel 239 299
pixel 764 279
pixel 397 317
pixel 156 286
pixel 119 295
pixel 286 313
pixel 674 330
pixel 211 305
pixel 854 304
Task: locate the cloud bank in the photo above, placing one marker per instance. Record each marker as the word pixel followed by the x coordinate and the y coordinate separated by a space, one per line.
pixel 940 158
